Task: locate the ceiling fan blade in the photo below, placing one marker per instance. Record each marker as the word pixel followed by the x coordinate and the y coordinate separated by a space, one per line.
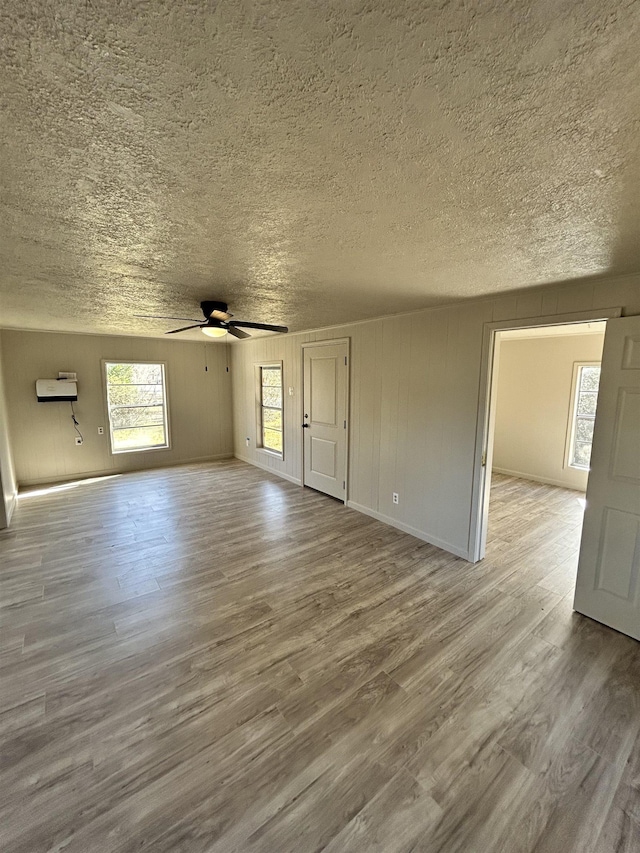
pixel 184 328
pixel 221 315
pixel 158 317
pixel 265 326
pixel 237 333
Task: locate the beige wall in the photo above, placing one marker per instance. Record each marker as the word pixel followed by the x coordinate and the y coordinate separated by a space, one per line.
pixel 8 483
pixel 413 405
pixel 42 434
pixel 533 407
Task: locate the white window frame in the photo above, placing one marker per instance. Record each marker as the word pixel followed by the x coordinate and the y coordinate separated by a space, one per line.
pixel 165 406
pixel 269 365
pixel 573 414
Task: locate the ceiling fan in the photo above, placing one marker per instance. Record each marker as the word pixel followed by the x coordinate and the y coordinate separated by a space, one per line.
pixel 217 322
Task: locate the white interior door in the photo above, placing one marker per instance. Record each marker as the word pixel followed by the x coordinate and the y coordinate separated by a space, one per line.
pixel 608 585
pixel 325 418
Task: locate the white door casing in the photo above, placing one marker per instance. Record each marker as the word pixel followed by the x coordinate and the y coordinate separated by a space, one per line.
pixel 608 584
pixel 325 417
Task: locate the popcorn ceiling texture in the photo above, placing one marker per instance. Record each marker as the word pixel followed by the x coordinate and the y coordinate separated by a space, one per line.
pixel 310 161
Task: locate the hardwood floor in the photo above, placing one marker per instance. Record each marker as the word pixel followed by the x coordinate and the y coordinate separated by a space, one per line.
pixel 208 658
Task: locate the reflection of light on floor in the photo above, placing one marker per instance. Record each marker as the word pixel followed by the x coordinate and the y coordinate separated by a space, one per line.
pixel 62 487
pixel 583 503
pixel 273 493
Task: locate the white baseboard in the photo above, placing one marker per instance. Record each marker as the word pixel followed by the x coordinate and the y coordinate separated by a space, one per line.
pixel 547 481
pixel 407 528
pixel 13 503
pixel 10 507
pixel 284 476
pixel 106 472
pixel 385 519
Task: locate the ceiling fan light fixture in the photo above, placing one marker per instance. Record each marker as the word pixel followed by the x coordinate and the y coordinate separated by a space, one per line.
pixel 214 331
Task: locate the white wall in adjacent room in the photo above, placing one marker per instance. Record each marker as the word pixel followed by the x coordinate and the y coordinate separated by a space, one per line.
pixel 534 406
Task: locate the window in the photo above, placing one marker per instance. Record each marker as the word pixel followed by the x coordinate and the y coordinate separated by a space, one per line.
pixel 137 405
pixel 270 425
pixel 587 382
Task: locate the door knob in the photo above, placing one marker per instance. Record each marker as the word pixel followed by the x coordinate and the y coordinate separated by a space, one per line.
pixel 305 426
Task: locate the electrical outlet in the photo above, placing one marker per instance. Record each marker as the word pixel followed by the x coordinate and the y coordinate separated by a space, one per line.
pixel 100 430
pixel 78 440
pixel 395 498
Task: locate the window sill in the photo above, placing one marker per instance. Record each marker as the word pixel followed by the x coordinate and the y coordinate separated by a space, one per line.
pixel 140 450
pixel 268 452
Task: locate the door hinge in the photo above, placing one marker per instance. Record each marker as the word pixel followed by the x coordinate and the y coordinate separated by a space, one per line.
pixel 345 361
pixel 345 424
pixel 484 459
pixel 343 484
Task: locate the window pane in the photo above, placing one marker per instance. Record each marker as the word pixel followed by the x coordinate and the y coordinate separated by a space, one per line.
pixel 135 395
pixel 584 417
pixel 128 374
pixel 582 454
pixel 136 401
pixel 119 373
pixel 130 439
pixel 272 397
pixel 270 414
pixel 137 416
pixel 146 374
pixel 587 403
pixel 590 379
pixel 584 429
pixel 272 440
pixel 272 376
pixel 272 418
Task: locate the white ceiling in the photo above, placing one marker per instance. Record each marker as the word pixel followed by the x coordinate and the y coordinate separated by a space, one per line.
pixel 310 163
pixel 555 331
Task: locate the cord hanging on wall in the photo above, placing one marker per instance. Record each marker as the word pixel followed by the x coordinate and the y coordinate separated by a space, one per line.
pixel 75 421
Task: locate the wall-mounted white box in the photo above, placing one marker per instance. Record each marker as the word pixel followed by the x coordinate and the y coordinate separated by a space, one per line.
pixel 56 390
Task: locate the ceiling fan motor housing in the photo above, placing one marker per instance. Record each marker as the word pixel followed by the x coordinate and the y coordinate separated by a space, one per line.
pixel 209 307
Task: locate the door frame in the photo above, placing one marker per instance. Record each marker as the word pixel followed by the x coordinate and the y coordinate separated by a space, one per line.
pixel 483 450
pixel 347 405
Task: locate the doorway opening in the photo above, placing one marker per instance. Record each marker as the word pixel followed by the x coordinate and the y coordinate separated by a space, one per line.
pixel 608 572
pixel 544 394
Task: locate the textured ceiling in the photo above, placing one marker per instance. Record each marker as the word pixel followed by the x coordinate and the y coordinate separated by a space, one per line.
pixel 310 161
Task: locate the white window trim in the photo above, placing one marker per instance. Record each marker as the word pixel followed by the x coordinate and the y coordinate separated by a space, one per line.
pixel 258 384
pixel 165 388
pixel 573 408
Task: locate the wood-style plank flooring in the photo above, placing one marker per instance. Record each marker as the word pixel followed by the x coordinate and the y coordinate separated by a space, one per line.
pixel 207 658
